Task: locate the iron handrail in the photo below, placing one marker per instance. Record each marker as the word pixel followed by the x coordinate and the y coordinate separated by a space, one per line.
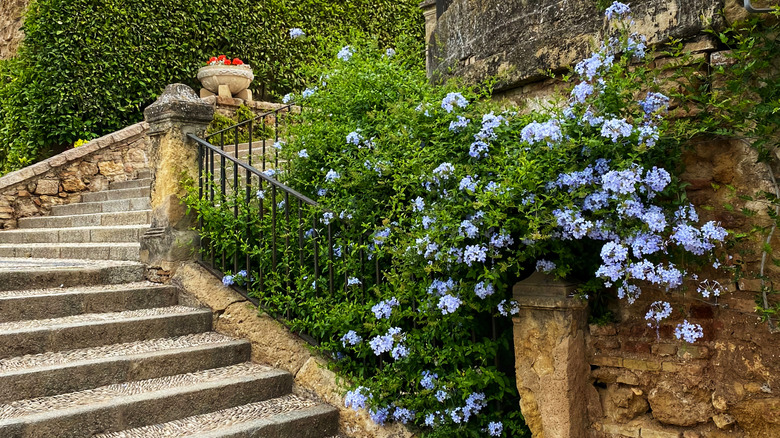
pixel 288 107
pixel 254 170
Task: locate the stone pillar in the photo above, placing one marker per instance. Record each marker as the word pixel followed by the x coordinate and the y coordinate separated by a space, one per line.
pixel 173 156
pixel 550 363
pixel 429 12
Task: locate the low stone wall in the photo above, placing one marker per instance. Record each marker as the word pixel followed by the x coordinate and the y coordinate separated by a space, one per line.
pixel 274 345
pixel 62 179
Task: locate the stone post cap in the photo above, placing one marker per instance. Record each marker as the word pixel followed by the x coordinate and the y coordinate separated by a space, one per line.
pixel 179 102
pixel 545 291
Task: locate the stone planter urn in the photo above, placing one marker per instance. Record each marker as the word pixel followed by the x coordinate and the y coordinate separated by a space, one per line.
pixel 226 81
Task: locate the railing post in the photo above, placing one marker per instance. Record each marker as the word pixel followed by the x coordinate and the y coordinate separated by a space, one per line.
pixel 176 113
pixel 550 362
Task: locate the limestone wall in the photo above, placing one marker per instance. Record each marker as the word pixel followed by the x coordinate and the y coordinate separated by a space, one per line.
pixel 62 179
pixel 11 12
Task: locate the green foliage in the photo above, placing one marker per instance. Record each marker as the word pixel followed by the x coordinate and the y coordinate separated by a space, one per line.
pixel 740 99
pixel 243 114
pixel 88 67
pixel 369 147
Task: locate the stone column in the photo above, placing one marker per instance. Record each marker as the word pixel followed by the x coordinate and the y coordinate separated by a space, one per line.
pixel 173 156
pixel 429 12
pixel 550 363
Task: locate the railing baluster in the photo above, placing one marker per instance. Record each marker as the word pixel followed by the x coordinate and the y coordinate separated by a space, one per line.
pixel 287 237
pixel 330 258
pixel 273 228
pixel 315 239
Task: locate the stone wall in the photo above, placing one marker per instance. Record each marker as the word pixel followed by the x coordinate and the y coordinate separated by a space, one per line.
pixel 11 12
pixel 652 385
pixel 62 179
pixel 518 41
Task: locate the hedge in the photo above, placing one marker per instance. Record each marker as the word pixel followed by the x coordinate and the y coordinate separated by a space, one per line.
pixel 89 67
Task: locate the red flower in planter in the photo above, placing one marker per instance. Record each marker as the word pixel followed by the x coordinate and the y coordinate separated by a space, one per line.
pixel 237 61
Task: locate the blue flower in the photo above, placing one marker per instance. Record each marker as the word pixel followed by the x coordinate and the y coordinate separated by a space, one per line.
pixel 441 395
pixel 428 378
pixel 384 309
pixel 479 149
pixel 354 137
pixel 457 125
pixel 351 338
pixel 622 182
pixel 441 287
pixel 308 92
pixel 474 253
pixel 615 129
pixel 418 204
pixel 501 240
pixel 278 145
pixel 453 99
pixel 688 331
pixel 356 399
pixel 549 131
pixel 379 416
pixel 427 222
pixel 331 176
pixel 296 33
pixel 468 229
pixel 403 415
pixel 345 54
pixel 287 98
pixel 390 52
pixel 228 280
pixel 303 153
pixel 448 304
pixel 589 67
pixel 495 428
pixel 399 351
pixel 581 91
pixel 653 103
pixel 483 289
pixel 617 10
pixel 506 308
pixel 381 235
pixel 468 183
pixel 327 217
pixel 544 265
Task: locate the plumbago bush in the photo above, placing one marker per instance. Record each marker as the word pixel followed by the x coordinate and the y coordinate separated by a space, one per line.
pixel 455 198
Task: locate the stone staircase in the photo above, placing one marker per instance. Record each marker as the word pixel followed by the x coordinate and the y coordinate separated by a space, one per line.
pixel 103 226
pixel 88 348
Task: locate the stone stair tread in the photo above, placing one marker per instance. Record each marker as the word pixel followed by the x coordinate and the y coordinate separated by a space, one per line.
pixel 68 244
pixel 102 218
pixel 109 394
pixel 32 362
pixel 37 273
pixel 219 420
pixel 127 204
pixel 95 318
pixel 80 228
pixel 26 264
pixel 10 294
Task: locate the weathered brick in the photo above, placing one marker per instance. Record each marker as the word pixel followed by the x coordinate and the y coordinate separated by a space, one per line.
pixel 693 352
pixel 652 432
pixel 636 346
pixel 607 361
pixel 602 330
pixel 664 349
pixel 621 430
pixel 642 365
pixel 722 58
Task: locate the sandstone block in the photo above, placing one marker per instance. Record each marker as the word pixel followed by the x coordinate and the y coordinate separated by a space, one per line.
pixel 642 365
pixel 652 432
pixel 110 168
pixel 73 184
pixel 47 187
pixel 607 361
pixel 621 404
pixel 723 421
pixel 602 330
pixel 680 406
pixel 622 430
pixel 664 349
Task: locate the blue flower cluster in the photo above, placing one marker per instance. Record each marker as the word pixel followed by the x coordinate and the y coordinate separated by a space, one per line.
pixel 453 99
pixel 384 309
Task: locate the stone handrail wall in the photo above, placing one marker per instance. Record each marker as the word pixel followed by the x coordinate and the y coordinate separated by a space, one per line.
pixel 62 179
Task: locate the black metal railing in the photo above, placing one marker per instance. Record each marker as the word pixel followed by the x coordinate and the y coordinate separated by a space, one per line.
pixel 288 247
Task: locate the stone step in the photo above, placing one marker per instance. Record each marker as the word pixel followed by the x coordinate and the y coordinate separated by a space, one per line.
pixel 144 174
pixel 48 374
pixel 84 251
pixel 129 405
pixel 60 302
pixel 286 416
pixel 113 195
pixel 139 217
pixel 26 273
pixel 19 338
pixel 95 234
pixel 131 204
pixel 131 184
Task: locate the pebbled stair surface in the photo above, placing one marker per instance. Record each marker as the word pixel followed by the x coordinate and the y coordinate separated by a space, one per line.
pixel 88 348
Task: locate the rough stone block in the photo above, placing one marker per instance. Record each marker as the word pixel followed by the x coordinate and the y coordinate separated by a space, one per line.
pixel 607 361
pixel 602 330
pixel 47 187
pixel 636 347
pixel 109 168
pixel 723 421
pixel 722 58
pixel 623 430
pixel 642 365
pixel 664 349
pixel 679 405
pixel 652 432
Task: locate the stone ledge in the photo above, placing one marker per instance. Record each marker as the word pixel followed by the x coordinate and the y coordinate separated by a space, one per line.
pixel 124 135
